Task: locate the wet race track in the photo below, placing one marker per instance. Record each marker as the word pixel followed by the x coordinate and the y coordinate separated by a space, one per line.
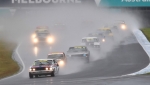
pixel 111 60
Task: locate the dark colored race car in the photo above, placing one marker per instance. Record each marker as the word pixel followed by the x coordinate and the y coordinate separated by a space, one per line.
pixel 44 67
pixel 59 57
pixel 79 52
pixel 42 35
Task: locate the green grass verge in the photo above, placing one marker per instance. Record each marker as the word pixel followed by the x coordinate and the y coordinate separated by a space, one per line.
pixel 146 32
pixel 8 66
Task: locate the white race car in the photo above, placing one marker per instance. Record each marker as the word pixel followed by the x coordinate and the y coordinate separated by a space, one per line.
pixel 91 41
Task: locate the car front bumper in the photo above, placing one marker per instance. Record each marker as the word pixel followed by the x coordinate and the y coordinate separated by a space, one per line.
pixel 43 72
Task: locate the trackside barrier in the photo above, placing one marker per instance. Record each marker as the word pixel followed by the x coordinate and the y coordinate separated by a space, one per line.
pixel 146 46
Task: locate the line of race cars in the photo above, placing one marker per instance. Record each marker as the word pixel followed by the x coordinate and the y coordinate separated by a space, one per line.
pixel 55 61
pixel 107 31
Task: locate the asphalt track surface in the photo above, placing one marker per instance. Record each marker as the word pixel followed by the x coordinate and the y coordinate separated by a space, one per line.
pixel 122 60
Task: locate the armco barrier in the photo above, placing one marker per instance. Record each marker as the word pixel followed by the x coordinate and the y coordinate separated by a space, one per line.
pixel 146 46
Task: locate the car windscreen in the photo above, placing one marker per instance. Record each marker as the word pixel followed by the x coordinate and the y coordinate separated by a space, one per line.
pixel 42 62
pixel 42 34
pixel 55 56
pixel 77 49
pixel 91 40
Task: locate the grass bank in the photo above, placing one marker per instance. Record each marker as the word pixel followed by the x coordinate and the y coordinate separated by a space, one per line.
pixel 8 66
pixel 146 32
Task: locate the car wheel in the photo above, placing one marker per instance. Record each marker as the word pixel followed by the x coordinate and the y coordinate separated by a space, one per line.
pixel 30 75
pixel 53 74
pixel 58 71
pixel 36 76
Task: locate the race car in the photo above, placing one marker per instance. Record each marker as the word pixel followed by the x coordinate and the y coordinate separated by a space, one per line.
pixel 79 52
pixel 42 35
pixel 59 57
pixel 43 67
pixel 120 24
pixel 91 41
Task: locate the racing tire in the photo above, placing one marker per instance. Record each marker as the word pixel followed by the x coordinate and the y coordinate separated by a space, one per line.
pixel 36 76
pixel 30 76
pixel 58 71
pixel 53 74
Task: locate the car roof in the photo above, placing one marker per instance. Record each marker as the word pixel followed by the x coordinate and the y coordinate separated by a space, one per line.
pixel 78 46
pixel 56 53
pixel 89 37
pixel 44 59
pixel 42 27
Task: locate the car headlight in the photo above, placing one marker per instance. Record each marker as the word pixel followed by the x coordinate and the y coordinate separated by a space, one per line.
pixel 50 40
pixel 32 69
pixel 34 35
pixel 46 69
pixel 123 26
pixel 49 69
pixel 103 40
pixel 61 62
pixel 35 40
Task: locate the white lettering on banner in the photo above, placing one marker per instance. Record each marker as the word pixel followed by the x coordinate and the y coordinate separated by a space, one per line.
pixel 13 1
pixel 24 1
pixel 97 2
pixel 45 1
pixel 31 1
pixel 62 1
pixel 68 1
pixel 55 1
pixel 38 1
pixel 77 1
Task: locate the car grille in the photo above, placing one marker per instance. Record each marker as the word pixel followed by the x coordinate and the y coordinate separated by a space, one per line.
pixel 90 43
pixel 78 55
pixel 40 68
pixel 42 39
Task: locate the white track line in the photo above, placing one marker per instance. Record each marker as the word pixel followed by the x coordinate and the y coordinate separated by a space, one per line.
pixel 22 63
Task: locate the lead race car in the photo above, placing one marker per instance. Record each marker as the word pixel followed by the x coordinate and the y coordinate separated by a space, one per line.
pixel 120 24
pixel 59 57
pixel 91 41
pixel 79 52
pixel 43 67
pixel 42 35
